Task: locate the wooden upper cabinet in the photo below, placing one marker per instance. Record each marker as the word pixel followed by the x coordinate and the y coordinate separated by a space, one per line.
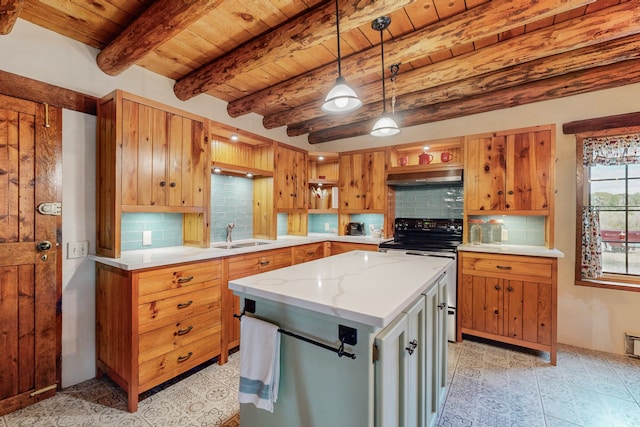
pixel 510 172
pixel 150 158
pixel 362 181
pixel 165 159
pixel 291 178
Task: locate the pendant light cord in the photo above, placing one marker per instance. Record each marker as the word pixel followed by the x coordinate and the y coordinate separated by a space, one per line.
pixel 338 39
pixel 384 100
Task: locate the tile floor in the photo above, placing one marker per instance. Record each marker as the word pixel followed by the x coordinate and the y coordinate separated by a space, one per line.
pixel 490 385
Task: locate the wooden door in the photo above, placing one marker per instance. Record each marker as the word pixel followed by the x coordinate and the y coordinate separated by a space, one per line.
pixel 485 170
pixel 194 168
pixel 528 185
pixel 373 179
pixel 285 178
pixel 30 174
pixel 144 155
pixel 300 177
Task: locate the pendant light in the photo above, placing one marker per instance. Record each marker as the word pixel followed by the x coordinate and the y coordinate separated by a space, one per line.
pixel 341 98
pixel 385 125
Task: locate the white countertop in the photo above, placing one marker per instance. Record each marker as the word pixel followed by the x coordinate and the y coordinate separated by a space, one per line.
pixel 147 258
pixel 367 287
pixel 505 249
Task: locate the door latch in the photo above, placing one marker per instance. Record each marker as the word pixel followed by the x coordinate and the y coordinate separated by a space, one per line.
pixel 50 208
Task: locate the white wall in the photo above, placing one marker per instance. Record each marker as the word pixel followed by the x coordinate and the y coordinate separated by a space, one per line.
pixel 588 317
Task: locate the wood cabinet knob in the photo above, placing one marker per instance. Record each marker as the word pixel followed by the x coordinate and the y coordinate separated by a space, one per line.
pixel 163 183
pixel 496 312
pixel 172 185
pixel 497 287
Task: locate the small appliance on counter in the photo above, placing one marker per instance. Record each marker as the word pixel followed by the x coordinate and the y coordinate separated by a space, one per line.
pixel 355 229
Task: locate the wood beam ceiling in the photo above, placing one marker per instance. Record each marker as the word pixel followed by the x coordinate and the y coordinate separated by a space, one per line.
pixel 9 12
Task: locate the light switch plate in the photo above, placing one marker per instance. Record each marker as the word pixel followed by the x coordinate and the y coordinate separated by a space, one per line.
pixel 77 249
pixel 146 238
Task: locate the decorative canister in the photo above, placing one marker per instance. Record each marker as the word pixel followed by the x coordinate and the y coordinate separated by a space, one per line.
pixel 475 233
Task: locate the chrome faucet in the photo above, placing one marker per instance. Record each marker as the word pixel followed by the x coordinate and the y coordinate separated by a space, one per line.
pixel 229 230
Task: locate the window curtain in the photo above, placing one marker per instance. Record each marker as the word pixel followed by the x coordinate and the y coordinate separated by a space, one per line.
pixel 607 151
pixel 591 243
pixel 611 150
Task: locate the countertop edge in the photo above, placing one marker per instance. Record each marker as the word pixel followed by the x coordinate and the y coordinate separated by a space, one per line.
pixel 159 257
pixel 539 251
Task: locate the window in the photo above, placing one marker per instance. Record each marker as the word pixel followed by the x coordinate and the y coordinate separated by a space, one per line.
pixel 608 223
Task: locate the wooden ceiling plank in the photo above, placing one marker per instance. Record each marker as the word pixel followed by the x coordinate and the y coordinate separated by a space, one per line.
pixel 603 54
pixel 448 8
pixel 599 78
pixel 9 13
pixel 422 13
pixel 602 26
pixel 488 19
pixel 301 33
pixel 157 24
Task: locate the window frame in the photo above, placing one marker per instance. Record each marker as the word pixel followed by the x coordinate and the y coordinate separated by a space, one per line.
pixel 608 281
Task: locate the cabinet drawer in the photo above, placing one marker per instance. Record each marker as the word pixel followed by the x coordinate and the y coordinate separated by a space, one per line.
pixel 534 267
pixel 158 313
pixel 180 334
pixel 308 252
pixel 177 278
pixel 168 365
pixel 246 265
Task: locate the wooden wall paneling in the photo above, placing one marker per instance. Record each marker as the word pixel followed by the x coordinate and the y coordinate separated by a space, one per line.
pixel 264 216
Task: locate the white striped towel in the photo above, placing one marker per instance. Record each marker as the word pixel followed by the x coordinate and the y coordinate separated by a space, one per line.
pixel 259 363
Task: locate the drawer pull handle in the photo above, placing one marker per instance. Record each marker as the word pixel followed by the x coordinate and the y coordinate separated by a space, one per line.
pixel 503 267
pixel 185 279
pixel 311 253
pixel 185 358
pixel 264 262
pixel 185 304
pixel 184 331
pixel 442 305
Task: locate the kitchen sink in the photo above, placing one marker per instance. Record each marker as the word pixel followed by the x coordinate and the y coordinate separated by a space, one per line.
pixel 238 245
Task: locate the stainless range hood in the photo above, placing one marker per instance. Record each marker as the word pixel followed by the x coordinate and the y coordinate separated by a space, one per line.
pixel 444 176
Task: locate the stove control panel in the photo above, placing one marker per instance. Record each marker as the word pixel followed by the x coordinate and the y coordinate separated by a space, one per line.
pixel 416 224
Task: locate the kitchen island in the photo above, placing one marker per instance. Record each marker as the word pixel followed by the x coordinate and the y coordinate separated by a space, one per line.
pixel 393 302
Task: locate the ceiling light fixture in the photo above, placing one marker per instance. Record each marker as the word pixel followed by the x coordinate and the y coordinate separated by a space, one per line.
pixel 234 137
pixel 385 125
pixel 341 98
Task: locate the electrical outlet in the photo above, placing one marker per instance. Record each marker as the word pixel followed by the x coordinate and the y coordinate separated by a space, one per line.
pixel 77 249
pixel 146 238
pixel 326 226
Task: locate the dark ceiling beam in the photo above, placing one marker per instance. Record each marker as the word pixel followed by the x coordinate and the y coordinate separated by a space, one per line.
pixel 308 30
pixel 155 26
pixel 485 20
pixel 602 54
pixel 9 13
pixel 602 123
pixel 610 76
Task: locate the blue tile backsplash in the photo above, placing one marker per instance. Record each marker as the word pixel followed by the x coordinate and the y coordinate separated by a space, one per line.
pixel 166 230
pixel 317 223
pixel 522 230
pixel 433 201
pixel 231 201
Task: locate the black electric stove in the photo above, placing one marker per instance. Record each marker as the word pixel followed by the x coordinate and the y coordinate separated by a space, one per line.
pixel 428 235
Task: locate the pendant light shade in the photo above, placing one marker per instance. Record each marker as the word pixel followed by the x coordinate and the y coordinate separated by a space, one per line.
pixel 341 98
pixel 385 125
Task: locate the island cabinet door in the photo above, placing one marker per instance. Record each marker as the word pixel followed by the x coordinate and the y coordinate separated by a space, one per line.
pixel 391 389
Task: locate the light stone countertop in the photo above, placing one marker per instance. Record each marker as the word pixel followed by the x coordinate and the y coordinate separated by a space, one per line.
pixel 158 257
pixel 367 287
pixel 506 249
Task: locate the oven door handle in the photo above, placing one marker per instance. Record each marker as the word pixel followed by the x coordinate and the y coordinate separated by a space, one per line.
pixel 430 254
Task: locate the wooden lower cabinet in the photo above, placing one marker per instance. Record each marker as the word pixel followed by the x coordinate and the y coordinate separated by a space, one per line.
pixel 237 267
pixel 508 298
pixel 304 253
pixel 340 247
pixel 154 324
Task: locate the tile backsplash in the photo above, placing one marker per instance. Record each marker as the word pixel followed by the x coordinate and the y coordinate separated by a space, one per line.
pixel 522 230
pixel 431 201
pixel 166 230
pixel 231 201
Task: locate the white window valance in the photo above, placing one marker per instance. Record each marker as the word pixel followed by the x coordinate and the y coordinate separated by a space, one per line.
pixel 611 150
